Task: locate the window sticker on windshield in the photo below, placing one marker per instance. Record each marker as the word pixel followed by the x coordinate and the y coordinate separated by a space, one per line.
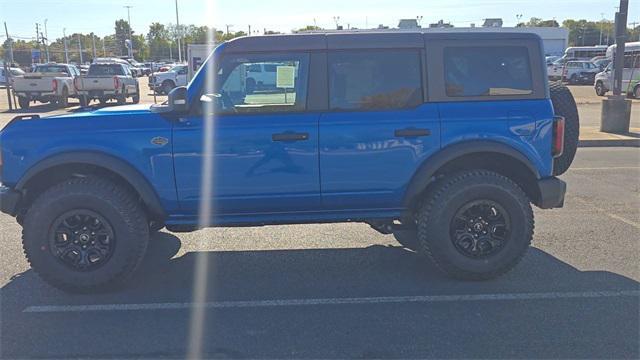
pixel 286 77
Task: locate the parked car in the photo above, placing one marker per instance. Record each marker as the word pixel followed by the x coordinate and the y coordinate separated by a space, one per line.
pixel 603 82
pixel 108 81
pixel 579 72
pixel 164 82
pixel 554 71
pixel 401 130
pixel 601 63
pixel 13 72
pixel 48 83
pixel 138 68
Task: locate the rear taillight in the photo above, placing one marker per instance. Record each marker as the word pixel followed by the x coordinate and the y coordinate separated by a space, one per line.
pixel 116 83
pixel 54 84
pixel 558 136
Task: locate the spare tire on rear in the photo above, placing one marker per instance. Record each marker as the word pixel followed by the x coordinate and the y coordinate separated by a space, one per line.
pixel 564 105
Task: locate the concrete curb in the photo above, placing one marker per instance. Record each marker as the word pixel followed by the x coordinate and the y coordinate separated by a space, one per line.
pixel 610 143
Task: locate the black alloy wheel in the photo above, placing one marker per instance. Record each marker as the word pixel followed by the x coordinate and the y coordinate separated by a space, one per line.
pixel 82 240
pixel 480 229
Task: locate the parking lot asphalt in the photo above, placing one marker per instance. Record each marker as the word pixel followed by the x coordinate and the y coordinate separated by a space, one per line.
pixel 345 291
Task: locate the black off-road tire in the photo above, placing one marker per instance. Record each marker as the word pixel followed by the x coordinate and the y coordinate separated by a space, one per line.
pixel 565 105
pixel 116 205
pixel 456 191
pixel 24 102
pixel 408 238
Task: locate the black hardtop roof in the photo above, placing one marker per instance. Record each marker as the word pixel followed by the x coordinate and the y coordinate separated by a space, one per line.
pixel 361 40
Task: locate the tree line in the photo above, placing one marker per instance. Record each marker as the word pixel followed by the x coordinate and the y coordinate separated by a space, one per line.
pixel 160 42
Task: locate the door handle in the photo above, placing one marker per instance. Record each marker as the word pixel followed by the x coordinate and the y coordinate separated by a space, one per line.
pixel 290 137
pixel 412 132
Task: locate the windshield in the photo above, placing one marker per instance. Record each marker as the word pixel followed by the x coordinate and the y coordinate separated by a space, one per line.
pixel 51 69
pixel 105 69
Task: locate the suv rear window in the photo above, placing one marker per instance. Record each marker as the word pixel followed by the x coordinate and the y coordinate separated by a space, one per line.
pixel 487 71
pixel 105 69
pixel 377 79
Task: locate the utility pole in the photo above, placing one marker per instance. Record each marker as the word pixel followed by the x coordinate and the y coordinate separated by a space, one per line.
pixel 179 33
pixel 66 50
pixel 46 40
pixel 10 41
pixel 93 39
pixel 249 31
pixel 228 27
pixel 130 47
pixel 38 41
pixel 80 49
pixel 616 109
pixel 104 47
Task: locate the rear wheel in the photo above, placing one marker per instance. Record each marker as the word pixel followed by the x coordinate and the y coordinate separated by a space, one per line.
pixel 84 101
pixel 565 105
pixel 63 100
pixel 475 225
pixel 122 98
pixel 24 102
pixel 85 234
pixel 136 97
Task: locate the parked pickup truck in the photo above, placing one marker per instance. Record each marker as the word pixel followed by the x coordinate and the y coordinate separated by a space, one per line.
pixel 443 140
pixel 108 81
pixel 164 82
pixel 48 83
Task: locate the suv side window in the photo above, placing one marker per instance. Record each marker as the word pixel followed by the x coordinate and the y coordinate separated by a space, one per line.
pixel 487 71
pixel 283 90
pixel 375 79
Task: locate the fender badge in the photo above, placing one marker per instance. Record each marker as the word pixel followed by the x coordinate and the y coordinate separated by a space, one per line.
pixel 159 140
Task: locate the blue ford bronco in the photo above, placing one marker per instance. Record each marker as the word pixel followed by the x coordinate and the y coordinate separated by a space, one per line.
pixel 443 139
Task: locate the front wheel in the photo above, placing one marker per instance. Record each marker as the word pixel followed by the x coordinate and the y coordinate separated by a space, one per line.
pixel 85 234
pixel 636 92
pixel 476 225
pixel 600 91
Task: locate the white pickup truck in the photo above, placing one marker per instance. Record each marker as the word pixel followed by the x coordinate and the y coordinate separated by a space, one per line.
pixel 164 82
pixel 108 81
pixel 48 83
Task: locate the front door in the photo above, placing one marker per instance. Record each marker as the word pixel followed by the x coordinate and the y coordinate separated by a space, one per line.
pixel 265 144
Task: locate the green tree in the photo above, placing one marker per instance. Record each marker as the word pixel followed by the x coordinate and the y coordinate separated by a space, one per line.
pixel 123 29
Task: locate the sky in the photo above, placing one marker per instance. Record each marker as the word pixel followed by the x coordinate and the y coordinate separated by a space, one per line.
pixel 99 16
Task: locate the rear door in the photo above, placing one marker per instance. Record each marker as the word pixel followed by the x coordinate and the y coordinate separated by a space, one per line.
pixel 378 129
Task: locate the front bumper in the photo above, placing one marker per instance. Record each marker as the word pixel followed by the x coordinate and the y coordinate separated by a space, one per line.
pixel 552 192
pixel 9 199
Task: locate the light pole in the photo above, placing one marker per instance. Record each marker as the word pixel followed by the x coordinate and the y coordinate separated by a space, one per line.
pixel 518 18
pixel 178 33
pixel 336 19
pixel 130 47
pixel 601 25
pixel 46 39
pixel 66 50
pixel 419 18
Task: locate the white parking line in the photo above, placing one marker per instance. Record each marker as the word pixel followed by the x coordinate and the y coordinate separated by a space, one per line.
pixel 607 168
pixel 331 301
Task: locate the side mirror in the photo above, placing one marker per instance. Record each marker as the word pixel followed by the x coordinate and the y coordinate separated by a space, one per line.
pixel 177 102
